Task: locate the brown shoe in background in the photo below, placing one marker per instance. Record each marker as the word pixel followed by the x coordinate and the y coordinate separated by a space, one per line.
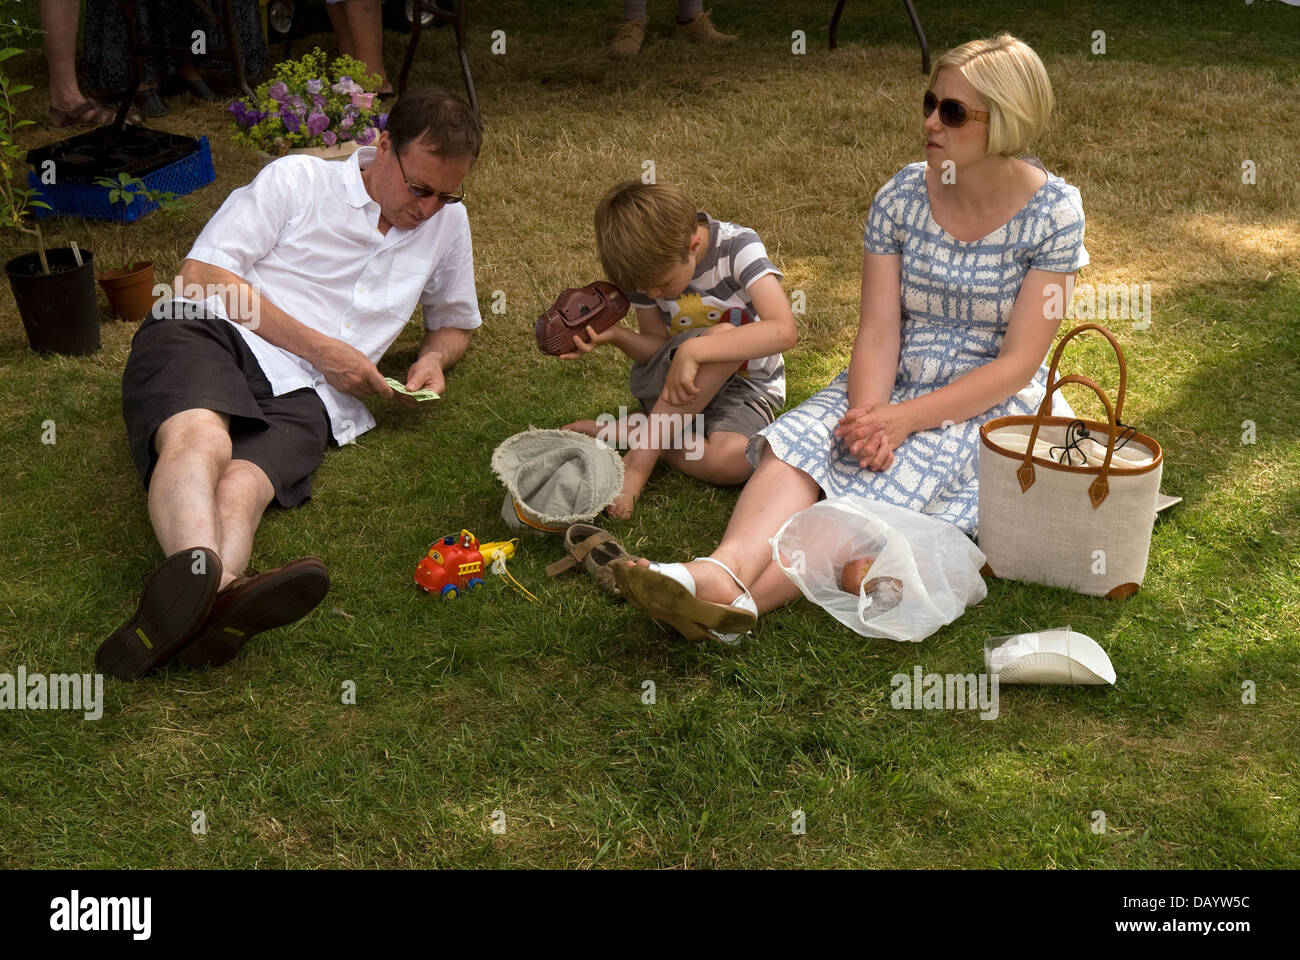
pixel 702 29
pixel 251 605
pixel 174 603
pixel 627 42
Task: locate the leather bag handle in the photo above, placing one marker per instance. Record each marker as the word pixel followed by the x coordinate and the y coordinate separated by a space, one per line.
pixel 1100 487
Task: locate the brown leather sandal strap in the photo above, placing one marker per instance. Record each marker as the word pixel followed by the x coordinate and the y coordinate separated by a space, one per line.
pixel 560 566
pixel 580 550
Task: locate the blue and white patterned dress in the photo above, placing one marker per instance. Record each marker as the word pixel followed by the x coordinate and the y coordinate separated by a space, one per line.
pixel 956 302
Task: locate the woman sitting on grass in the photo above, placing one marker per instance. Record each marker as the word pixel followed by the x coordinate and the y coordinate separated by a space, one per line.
pixel 970 258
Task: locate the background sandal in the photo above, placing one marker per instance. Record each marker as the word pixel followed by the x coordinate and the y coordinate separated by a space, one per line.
pixel 89 113
pixel 666 592
pixel 595 549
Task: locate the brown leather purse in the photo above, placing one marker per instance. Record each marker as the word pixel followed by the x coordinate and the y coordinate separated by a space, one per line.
pixel 599 305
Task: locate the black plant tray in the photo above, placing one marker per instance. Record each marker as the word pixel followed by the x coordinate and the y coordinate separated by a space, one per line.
pixel 108 151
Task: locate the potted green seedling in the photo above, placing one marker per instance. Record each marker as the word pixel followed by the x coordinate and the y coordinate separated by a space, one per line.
pixel 130 286
pixel 54 289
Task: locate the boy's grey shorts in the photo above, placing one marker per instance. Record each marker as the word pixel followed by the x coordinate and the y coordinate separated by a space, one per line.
pixel 736 407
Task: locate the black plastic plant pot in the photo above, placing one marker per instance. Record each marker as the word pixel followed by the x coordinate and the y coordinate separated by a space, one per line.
pixel 59 310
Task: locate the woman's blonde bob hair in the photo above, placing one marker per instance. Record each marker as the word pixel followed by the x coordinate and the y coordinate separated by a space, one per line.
pixel 1009 75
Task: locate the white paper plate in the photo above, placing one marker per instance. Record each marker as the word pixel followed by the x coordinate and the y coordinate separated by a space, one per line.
pixel 1059 655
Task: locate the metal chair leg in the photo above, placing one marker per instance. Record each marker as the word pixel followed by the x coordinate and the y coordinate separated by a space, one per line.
pixel 835 22
pixel 464 56
pixel 920 36
pixel 418 16
pixel 911 14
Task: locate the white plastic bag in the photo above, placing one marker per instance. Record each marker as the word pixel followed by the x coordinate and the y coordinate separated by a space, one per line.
pixel 937 565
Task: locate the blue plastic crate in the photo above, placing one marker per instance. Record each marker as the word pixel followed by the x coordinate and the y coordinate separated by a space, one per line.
pixel 91 202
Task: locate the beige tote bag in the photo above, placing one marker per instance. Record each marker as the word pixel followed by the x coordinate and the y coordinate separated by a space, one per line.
pixel 1066 510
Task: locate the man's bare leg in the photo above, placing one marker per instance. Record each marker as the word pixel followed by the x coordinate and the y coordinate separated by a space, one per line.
pixel 243 494
pixel 193 451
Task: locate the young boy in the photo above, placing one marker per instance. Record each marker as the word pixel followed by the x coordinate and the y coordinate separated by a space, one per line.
pixel 713 322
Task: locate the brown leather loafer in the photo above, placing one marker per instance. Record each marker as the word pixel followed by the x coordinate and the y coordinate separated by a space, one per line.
pixel 251 605
pixel 174 603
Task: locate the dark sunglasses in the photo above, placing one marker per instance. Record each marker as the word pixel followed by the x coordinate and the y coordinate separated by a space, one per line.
pixel 952 113
pixel 424 193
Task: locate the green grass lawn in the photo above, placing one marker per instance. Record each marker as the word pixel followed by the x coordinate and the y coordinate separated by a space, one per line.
pixel 490 703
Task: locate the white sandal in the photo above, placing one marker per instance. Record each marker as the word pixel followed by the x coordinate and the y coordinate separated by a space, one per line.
pixel 666 591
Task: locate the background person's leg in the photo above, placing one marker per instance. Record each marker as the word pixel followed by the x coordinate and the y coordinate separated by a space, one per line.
pixel 365 24
pixel 342 32
pixel 59 21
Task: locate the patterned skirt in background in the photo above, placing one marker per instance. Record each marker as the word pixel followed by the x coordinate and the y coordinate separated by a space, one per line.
pixel 107 64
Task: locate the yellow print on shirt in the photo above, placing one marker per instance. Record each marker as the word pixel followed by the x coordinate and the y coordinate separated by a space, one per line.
pixel 692 313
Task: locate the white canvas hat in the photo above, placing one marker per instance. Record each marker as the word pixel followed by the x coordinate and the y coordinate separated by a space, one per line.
pixel 555 478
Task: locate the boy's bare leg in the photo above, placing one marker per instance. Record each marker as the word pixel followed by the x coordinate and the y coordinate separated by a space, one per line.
pixel 590 427
pixel 640 462
pixel 721 459
pixel 774 493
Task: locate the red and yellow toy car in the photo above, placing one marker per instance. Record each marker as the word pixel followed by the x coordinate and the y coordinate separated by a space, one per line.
pixel 452 564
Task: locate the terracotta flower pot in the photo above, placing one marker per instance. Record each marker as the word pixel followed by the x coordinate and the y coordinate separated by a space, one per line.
pixel 130 291
pixel 58 309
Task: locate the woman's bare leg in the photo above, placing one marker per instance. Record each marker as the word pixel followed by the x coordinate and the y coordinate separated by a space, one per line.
pixel 774 493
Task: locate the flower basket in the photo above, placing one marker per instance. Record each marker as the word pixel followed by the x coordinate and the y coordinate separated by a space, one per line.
pixel 312 105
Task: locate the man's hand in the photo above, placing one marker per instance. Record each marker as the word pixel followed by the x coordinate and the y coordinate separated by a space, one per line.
pixel 346 368
pixel 873 433
pixel 594 340
pixel 679 385
pixel 425 374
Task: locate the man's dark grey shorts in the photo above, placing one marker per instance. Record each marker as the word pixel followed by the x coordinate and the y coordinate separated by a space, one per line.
pixel 188 359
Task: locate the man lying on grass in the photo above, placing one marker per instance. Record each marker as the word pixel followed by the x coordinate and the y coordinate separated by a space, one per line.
pixel 309 273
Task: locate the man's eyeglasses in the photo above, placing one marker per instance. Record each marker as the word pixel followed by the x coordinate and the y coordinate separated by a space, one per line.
pixel 952 113
pixel 424 193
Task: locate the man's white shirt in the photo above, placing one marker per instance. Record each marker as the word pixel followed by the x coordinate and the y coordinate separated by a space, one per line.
pixel 306 234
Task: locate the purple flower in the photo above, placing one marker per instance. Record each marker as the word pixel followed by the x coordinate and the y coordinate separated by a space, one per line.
pixel 317 123
pixel 239 112
pixel 366 136
pixel 346 122
pixel 346 85
pixel 314 86
pixel 279 90
pixel 329 138
pixel 290 121
pixel 382 122
pixel 318 101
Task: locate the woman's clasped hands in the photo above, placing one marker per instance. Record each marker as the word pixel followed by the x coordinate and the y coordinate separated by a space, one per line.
pixel 873 433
